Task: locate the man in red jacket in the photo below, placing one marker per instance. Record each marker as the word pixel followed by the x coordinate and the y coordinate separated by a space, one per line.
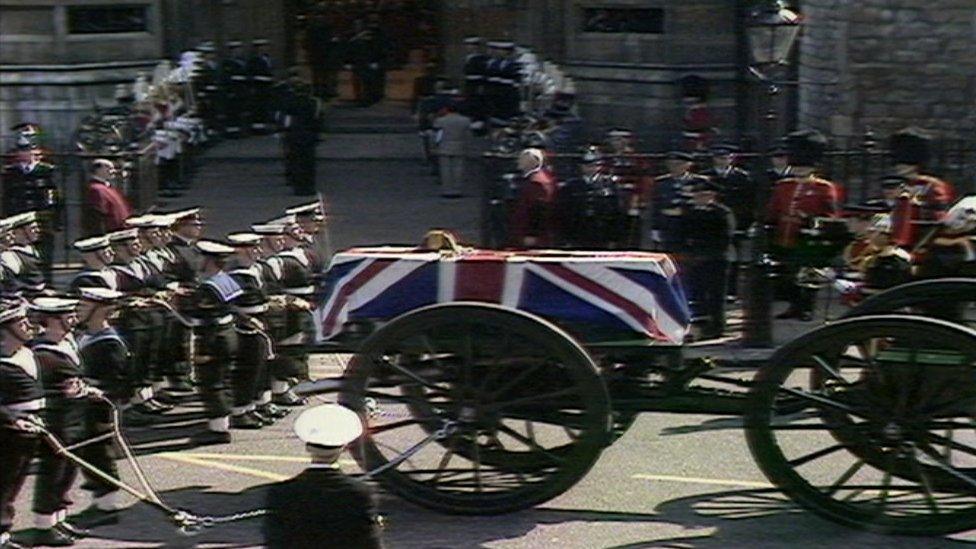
pixel 533 220
pixel 106 208
pixel 796 203
pixel 923 197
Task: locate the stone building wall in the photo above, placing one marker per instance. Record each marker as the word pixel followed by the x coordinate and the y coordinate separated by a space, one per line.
pixel 886 64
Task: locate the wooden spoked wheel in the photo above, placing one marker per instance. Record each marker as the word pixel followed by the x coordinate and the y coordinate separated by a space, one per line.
pixel 886 437
pixel 525 407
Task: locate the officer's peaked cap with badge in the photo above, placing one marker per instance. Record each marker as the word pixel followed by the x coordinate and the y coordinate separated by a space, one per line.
pixel 22 219
pixel 213 248
pixel 269 229
pixel 99 295
pixel 911 146
pixel 52 305
pixel 91 244
pixel 328 426
pixel 592 155
pixel 892 181
pixel 723 149
pixel 11 311
pixel 312 209
pixel 123 236
pixel 243 240
pixel 189 215
pixel 684 156
pixel 806 147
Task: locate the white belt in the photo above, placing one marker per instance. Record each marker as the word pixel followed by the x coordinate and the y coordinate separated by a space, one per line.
pixel 27 406
pixel 263 78
pixel 218 321
pixel 474 77
pixel 238 78
pixel 303 290
pixel 254 309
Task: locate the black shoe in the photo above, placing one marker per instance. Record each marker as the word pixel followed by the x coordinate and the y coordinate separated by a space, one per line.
pixel 51 537
pixel 93 517
pixel 792 312
pixel 288 398
pixel 179 385
pixel 245 421
pixel 166 399
pixel 146 408
pixel 133 417
pixel 208 437
pixel 72 530
pixel 272 411
pixel 11 544
pixel 265 420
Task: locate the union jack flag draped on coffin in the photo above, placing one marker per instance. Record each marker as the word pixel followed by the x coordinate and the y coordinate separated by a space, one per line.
pixel 636 292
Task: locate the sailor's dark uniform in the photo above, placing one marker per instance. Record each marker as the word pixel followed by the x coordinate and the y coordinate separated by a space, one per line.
pixel 211 310
pixel 58 363
pixel 26 268
pixel 250 376
pixel 106 361
pixel 21 394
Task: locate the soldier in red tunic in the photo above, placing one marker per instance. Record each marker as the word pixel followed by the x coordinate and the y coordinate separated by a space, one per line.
pixel 533 220
pixel 923 197
pixel 796 203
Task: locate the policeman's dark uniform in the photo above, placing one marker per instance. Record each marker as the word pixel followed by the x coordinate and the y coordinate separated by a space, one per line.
pixel 322 507
pixel 211 309
pixel 33 188
pixel 301 136
pixel 509 79
pixel 233 70
pixel 590 207
pixel 669 202
pixel 706 237
pixel 58 363
pixel 738 192
pixel 21 395
pixel 261 74
pixel 475 64
pixel 106 360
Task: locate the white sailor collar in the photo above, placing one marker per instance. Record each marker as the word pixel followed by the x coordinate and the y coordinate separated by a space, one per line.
pixel 23 359
pixel 298 253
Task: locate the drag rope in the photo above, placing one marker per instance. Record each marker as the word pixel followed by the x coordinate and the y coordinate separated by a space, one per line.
pixel 187 522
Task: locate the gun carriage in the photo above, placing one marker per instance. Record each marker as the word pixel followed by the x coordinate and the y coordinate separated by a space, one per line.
pixel 486 404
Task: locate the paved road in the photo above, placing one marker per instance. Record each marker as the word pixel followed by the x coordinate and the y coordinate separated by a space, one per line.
pixel 670 481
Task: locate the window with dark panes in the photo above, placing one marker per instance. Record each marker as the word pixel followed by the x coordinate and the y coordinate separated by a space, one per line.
pixel 624 20
pixel 107 19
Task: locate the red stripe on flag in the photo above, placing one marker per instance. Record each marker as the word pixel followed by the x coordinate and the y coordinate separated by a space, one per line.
pixel 624 304
pixel 480 280
pixel 348 288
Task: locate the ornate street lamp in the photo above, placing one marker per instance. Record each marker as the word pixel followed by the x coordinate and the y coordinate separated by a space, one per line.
pixel 771 30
